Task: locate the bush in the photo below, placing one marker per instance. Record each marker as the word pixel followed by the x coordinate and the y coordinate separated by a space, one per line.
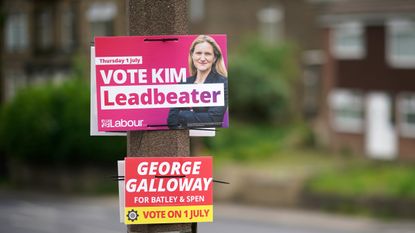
pixel 50 124
pixel 262 83
pixel 380 180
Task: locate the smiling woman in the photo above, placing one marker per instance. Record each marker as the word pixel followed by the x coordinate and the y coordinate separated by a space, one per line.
pixel 206 65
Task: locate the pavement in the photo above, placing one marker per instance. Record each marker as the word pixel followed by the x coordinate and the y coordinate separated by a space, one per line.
pixel 39 212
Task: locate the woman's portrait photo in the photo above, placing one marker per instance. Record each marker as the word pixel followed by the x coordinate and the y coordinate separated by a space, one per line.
pixel 206 65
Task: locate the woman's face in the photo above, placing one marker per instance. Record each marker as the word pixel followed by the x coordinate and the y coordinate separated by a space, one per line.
pixel 203 57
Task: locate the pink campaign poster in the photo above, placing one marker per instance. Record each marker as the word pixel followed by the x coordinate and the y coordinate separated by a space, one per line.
pixel 168 190
pixel 161 82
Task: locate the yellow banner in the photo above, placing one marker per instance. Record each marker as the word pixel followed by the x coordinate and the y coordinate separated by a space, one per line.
pixel 168 214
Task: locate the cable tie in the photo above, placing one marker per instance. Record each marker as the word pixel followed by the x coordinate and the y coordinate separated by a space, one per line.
pixel 169 177
pixel 160 39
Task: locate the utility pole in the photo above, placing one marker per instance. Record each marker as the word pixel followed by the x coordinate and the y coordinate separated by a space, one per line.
pixel 158 17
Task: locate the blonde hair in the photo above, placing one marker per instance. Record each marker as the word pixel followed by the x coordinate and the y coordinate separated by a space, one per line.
pixel 218 64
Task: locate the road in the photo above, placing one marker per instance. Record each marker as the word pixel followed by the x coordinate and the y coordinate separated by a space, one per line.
pixel 40 213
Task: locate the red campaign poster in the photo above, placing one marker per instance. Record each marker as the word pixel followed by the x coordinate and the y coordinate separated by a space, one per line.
pixel 168 190
pixel 161 82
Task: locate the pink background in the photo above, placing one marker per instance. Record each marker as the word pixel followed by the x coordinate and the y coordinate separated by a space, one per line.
pixel 156 54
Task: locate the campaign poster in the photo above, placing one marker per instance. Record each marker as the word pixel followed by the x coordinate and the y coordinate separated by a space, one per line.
pixel 168 190
pixel 161 82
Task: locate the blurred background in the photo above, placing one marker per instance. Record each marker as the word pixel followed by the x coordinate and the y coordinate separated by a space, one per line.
pixel 322 106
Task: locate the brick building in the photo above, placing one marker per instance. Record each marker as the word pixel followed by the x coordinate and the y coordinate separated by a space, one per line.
pixel 368 78
pixel 43 37
pixel 272 20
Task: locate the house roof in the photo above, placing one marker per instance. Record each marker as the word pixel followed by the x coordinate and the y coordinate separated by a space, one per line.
pixel 371 6
pixel 368 11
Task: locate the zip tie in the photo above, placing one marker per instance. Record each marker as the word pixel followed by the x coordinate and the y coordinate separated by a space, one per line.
pixel 169 177
pixel 120 178
pixel 221 182
pixel 161 39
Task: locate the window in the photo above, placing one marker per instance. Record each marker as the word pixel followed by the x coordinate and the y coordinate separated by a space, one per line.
pixel 407 114
pixel 401 43
pixel 271 25
pixel 17 38
pixel 68 32
pixel 101 17
pixel 197 10
pixel 348 41
pixel 347 111
pixel 45 29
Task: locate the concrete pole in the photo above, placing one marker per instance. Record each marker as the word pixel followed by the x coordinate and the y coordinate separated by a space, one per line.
pixel 158 17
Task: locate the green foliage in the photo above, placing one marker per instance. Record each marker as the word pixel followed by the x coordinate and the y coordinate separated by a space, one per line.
pixel 50 124
pixel 262 83
pixel 381 180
